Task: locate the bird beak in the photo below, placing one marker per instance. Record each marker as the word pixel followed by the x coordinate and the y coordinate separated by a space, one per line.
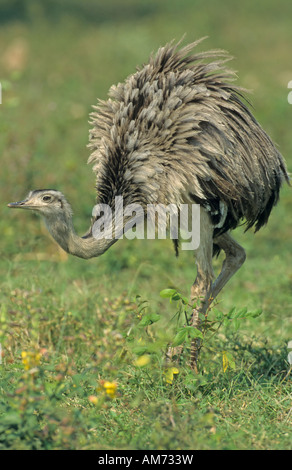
pixel 20 205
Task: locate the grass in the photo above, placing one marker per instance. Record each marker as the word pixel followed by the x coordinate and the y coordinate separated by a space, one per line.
pixel 93 375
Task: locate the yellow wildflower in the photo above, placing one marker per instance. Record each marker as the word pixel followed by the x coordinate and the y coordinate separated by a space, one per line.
pixel 169 374
pixel 30 359
pixel 110 388
pixel 225 361
pixel 143 360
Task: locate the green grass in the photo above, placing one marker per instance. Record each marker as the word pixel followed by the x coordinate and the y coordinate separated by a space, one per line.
pixel 85 316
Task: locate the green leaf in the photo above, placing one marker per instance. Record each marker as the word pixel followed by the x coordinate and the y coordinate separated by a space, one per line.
pixel 139 350
pixel 184 300
pixel 241 313
pixel 194 332
pixel 149 318
pixel 166 293
pixel 176 296
pixel 180 337
pixel 184 332
pixel 231 312
pixel 218 314
pixel 231 361
pixel 256 313
pixel 172 294
pixel 236 324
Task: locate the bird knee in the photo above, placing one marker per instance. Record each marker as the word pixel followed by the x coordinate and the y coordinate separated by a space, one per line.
pixel 240 255
pixel 235 254
pixel 236 257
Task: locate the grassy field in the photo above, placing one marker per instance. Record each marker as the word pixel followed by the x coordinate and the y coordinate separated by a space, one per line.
pixel 83 341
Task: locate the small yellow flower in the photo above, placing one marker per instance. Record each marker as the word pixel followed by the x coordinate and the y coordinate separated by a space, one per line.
pixel 30 359
pixel 143 360
pixel 225 361
pixel 110 388
pixel 169 374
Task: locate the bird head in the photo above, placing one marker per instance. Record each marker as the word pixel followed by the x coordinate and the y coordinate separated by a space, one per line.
pixel 47 202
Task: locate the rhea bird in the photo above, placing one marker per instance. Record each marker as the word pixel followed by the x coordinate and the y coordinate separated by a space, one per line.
pixel 178 131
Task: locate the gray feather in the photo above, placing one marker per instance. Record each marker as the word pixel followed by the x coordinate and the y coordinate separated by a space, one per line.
pixel 179 126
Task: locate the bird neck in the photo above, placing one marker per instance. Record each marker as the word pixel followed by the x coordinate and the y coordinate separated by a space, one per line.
pixel 62 230
pixel 88 247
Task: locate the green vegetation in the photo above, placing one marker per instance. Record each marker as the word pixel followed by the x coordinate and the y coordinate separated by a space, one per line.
pixel 83 342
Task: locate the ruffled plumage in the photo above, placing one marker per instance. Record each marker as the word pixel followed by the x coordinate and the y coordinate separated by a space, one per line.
pixel 178 131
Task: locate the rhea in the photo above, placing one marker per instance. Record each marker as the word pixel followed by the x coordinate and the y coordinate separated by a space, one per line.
pixel 177 131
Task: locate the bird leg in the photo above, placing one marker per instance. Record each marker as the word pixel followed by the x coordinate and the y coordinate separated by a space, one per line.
pixel 204 290
pixel 202 287
pixel 235 257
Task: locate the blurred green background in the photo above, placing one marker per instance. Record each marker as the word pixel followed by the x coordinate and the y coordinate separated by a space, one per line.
pixel 56 59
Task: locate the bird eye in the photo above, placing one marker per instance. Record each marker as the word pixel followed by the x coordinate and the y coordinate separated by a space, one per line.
pixel 46 198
